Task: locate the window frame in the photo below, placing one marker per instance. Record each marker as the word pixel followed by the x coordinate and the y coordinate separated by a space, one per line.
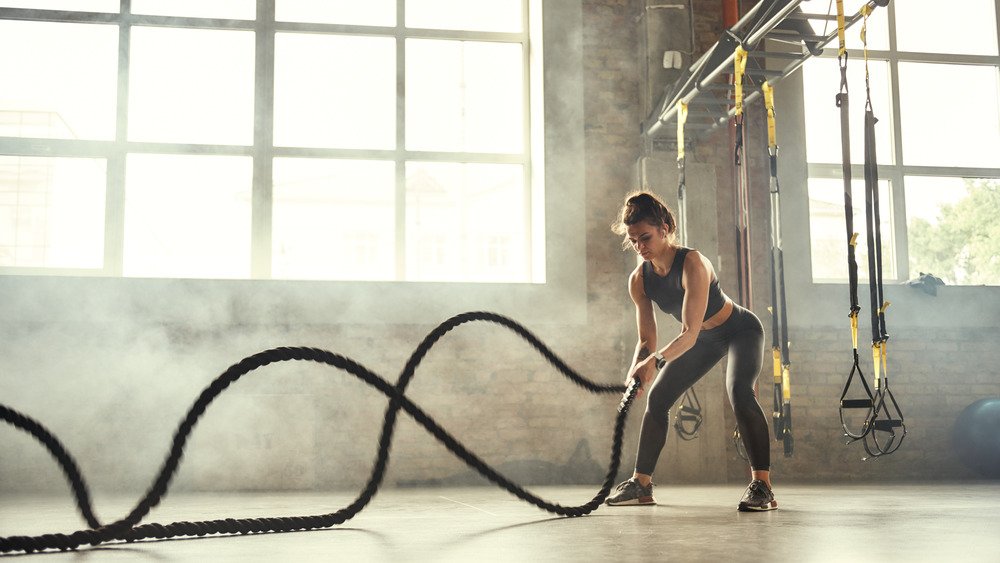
pixel 263 151
pixel 896 172
pixel 557 110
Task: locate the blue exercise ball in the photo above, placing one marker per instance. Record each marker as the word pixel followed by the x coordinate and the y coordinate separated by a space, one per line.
pixel 976 436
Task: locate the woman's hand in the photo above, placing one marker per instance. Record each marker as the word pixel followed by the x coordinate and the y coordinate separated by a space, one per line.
pixel 645 371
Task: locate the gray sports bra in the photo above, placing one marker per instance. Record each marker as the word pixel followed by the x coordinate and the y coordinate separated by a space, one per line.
pixel 668 293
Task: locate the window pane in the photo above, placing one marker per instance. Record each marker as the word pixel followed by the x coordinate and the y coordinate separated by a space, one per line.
pixel 464 96
pixel 949 115
pixel 227 9
pixel 828 232
pixel 481 15
pixel 191 86
pixel 60 80
pixel 966 27
pixel 52 212
pixel 821 82
pixel 106 6
pixel 953 230
pixel 466 222
pixel 187 216
pixel 878 24
pixel 334 219
pixel 347 12
pixel 344 97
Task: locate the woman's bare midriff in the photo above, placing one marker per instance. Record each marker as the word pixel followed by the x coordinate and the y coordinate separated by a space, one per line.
pixel 719 318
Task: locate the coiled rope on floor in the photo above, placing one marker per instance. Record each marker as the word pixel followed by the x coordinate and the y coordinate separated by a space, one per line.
pixel 128 528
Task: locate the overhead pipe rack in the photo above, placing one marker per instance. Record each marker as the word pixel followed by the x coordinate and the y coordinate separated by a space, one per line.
pixel 706 85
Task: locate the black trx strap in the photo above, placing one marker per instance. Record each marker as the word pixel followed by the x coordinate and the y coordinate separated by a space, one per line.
pixel 688 420
pixel 853 429
pixel 886 427
pixel 782 414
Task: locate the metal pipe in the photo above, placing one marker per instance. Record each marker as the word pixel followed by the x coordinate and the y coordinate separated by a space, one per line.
pixel 792 67
pixel 668 113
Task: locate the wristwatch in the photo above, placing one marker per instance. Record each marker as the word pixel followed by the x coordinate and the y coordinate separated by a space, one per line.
pixel 660 361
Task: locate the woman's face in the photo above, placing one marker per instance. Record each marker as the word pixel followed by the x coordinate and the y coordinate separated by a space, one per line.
pixel 646 239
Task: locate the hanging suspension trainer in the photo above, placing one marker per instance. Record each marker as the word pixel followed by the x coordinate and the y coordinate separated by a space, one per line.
pixel 689 417
pixel 850 398
pixel 887 428
pixel 782 414
pixel 128 528
pixel 741 206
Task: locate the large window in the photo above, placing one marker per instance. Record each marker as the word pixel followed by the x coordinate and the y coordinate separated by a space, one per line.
pixel 268 139
pixel 935 87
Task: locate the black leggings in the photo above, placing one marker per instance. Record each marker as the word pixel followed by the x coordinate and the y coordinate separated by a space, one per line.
pixel 742 337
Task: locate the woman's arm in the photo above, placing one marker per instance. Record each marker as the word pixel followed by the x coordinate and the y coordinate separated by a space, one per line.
pixel 642 365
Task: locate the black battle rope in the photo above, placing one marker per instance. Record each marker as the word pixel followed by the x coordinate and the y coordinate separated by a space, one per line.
pixel 782 413
pixel 127 528
pixel 867 401
pixel 886 417
pixel 689 412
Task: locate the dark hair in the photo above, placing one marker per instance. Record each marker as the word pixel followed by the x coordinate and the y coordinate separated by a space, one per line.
pixel 643 206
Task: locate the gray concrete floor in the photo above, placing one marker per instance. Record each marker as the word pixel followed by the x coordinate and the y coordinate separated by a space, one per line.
pixel 925 522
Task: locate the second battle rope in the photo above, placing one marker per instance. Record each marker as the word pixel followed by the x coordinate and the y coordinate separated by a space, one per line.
pixel 128 528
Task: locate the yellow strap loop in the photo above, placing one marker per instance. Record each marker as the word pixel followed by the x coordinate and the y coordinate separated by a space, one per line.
pixel 854 239
pixel 885 359
pixel 769 106
pixel 840 29
pixel 740 65
pixel 877 361
pixel 682 115
pixel 884 306
pixel 786 385
pixel 854 329
pixel 776 356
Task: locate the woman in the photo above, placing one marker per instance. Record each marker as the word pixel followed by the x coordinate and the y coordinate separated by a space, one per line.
pixel 683 283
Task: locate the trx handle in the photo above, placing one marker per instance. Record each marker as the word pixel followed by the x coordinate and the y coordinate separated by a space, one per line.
pixel 689 417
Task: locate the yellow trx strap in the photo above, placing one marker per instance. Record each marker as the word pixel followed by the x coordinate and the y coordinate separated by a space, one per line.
pixel 769 106
pixel 840 29
pixel 786 387
pixel 740 64
pixel 880 354
pixel 682 115
pixel 866 11
pixel 776 356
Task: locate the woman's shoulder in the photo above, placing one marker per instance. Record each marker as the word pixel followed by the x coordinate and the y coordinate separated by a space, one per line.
pixel 637 272
pixel 698 262
pixel 636 285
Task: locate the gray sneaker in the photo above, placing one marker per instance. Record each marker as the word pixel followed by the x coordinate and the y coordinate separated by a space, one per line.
pixel 631 492
pixel 757 498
